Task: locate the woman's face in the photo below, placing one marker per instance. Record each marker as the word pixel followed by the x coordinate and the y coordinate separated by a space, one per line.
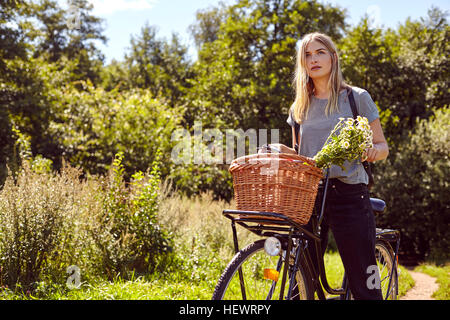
pixel 318 60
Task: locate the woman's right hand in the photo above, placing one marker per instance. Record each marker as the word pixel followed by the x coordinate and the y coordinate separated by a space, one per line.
pixel 278 146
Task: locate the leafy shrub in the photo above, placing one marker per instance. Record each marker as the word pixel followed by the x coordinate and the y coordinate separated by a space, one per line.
pixel 41 225
pixel 129 236
pixel 92 125
pixel 50 221
pixel 193 179
pixel 415 184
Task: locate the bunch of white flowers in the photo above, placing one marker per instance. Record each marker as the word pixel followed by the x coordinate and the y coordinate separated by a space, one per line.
pixel 354 138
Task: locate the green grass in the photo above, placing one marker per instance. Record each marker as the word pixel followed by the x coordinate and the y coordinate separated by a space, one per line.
pixel 335 272
pixel 442 274
pixel 171 289
pixel 405 281
pixel 141 289
pixel 203 247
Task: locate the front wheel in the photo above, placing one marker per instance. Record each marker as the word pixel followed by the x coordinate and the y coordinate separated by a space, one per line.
pixel 254 275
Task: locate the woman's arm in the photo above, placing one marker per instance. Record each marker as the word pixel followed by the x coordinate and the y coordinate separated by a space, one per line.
pixel 380 148
pixel 283 148
pixel 286 149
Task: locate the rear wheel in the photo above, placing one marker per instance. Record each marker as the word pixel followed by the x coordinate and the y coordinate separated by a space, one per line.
pixel 385 262
pixel 254 275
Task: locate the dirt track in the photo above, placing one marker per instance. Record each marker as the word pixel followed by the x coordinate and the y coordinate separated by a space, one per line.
pixel 423 289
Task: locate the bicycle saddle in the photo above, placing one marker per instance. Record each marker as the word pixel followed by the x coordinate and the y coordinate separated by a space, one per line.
pixel 378 205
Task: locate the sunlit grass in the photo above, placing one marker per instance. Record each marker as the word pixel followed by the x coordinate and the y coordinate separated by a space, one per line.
pixel 203 246
pixel 442 275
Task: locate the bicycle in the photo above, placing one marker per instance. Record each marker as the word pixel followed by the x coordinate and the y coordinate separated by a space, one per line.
pixel 264 261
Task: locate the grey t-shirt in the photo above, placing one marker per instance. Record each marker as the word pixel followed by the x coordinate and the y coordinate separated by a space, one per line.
pixel 317 127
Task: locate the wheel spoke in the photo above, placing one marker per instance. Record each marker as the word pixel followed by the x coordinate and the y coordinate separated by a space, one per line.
pixel 253 260
pixel 385 261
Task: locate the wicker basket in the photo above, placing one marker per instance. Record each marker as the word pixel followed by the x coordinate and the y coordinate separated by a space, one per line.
pixel 280 183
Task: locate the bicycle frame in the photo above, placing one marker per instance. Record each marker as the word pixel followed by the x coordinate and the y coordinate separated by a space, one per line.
pixel 286 230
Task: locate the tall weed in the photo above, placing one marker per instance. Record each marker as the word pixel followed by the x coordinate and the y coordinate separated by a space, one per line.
pixel 203 241
pixel 42 223
pixel 103 225
pixel 129 236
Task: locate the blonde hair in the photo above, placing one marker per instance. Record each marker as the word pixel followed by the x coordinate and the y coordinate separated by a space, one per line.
pixel 304 85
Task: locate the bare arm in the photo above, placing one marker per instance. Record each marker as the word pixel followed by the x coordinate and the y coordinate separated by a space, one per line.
pixel 285 149
pixel 380 149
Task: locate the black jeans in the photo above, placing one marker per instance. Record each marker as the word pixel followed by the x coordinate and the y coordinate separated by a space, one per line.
pixel 348 213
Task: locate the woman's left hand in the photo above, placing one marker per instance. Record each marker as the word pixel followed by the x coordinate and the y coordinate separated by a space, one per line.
pixel 380 149
pixel 371 154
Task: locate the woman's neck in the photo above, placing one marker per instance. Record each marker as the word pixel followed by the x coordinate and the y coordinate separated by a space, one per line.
pixel 321 90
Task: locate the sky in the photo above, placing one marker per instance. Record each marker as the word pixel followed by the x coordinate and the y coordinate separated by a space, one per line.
pixel 124 18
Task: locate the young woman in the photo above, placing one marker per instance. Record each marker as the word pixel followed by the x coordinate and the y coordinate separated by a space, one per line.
pixel 321 99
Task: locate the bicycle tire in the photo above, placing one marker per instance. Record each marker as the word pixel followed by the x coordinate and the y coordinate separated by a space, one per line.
pixel 228 286
pixel 385 261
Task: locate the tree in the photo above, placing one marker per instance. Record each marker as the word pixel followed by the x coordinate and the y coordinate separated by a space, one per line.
pixel 39 54
pixel 415 186
pixel 56 38
pixel 115 76
pixel 207 27
pixel 244 76
pixel 406 70
pixel 367 61
pixel 423 51
pixel 160 66
pixel 13 47
pixel 22 98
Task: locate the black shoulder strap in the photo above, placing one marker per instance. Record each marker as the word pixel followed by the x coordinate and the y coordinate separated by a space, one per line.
pixel 366 165
pixel 296 130
pixel 351 99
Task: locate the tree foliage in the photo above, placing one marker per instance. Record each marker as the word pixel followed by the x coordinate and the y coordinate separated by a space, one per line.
pixel 93 125
pixel 405 70
pixel 247 70
pixel 158 65
pixel 415 186
pixel 56 40
pixel 59 98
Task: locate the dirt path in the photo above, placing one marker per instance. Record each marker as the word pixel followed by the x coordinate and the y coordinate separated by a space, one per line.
pixel 423 289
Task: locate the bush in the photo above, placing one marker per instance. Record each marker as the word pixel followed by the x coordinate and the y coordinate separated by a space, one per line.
pixel 50 221
pixel 42 216
pixel 92 125
pixel 128 235
pixel 415 184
